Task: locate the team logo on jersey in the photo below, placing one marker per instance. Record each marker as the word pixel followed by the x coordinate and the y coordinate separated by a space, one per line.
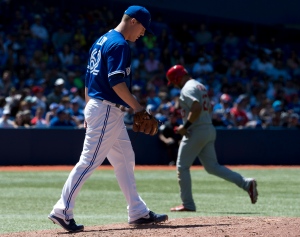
pixel 94 61
pixel 128 69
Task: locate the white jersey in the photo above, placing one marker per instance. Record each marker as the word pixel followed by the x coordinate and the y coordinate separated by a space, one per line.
pixel 195 91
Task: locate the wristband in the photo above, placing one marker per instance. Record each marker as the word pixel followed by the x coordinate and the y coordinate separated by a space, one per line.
pixel 187 124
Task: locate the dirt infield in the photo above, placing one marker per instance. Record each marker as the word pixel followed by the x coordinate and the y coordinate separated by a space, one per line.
pixel 188 227
pixel 230 226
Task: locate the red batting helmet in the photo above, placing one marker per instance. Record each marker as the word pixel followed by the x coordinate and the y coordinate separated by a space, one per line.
pixel 175 74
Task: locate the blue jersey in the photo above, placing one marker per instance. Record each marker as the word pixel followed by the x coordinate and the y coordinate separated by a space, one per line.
pixel 109 64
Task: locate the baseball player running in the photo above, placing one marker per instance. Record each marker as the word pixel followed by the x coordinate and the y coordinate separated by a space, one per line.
pixel 198 139
pixel 108 81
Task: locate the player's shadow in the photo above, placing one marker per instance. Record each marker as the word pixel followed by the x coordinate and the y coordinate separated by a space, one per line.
pixel 163 226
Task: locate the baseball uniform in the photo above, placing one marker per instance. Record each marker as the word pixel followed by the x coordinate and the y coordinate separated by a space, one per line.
pixel 200 143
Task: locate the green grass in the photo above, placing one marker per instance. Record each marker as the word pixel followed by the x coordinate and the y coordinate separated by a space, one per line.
pixel 26 198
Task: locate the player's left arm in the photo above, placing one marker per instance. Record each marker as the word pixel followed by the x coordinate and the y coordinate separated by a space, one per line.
pixel 123 92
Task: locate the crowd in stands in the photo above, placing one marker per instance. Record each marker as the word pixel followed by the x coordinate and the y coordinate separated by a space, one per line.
pixel 44 52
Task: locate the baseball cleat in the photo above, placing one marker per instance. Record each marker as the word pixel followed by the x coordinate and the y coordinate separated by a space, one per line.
pixel 180 208
pixel 252 191
pixel 70 225
pixel 151 218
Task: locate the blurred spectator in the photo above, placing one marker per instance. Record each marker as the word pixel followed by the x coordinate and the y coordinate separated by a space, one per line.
pixel 290 90
pixel 224 103
pixel 278 71
pixel 202 67
pixel 65 102
pixel 24 28
pixel 203 36
pixel 163 39
pixel 277 55
pixel 149 41
pixel 6 83
pixel 60 38
pixel 294 104
pixel 76 66
pixel 241 63
pixel 56 95
pixel 71 83
pixel 40 99
pixel 176 57
pixel 80 37
pixel 230 46
pixel 27 116
pixel 262 63
pixel 138 62
pixel 2 105
pixel 238 111
pixel 293 121
pixel 223 118
pixel 61 119
pixel 76 111
pixel 136 91
pixel 38 30
pixel 18 122
pixel 52 112
pixel 254 118
pixel 38 120
pixel 251 47
pixel 168 136
pixel 276 116
pixel 153 99
pixel 217 118
pixel 227 119
pixel 74 95
pixel 5 121
pixel 66 56
pixel 151 63
pixel 23 71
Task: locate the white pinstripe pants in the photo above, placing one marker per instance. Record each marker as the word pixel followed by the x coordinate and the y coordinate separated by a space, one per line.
pixel 106 136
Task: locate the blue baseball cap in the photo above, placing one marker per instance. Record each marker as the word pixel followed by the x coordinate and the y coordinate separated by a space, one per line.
pixel 141 14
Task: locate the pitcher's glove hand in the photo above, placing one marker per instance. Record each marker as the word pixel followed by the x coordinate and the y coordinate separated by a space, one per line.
pixel 145 122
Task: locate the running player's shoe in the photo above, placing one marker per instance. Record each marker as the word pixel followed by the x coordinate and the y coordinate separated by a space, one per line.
pixel 150 218
pixel 252 191
pixel 70 225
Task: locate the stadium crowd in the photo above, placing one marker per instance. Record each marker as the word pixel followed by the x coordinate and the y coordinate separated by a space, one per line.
pixel 44 51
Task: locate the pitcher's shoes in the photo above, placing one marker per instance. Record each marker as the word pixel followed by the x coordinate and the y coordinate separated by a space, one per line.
pixel 70 225
pixel 150 218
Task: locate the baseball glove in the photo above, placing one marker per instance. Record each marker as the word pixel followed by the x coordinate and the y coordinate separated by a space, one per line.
pixel 145 122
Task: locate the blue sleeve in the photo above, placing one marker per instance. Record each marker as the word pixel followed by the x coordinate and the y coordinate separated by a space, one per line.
pixel 116 79
pixel 117 62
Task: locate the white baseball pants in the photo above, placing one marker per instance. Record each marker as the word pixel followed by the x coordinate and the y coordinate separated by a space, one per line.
pixel 106 136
